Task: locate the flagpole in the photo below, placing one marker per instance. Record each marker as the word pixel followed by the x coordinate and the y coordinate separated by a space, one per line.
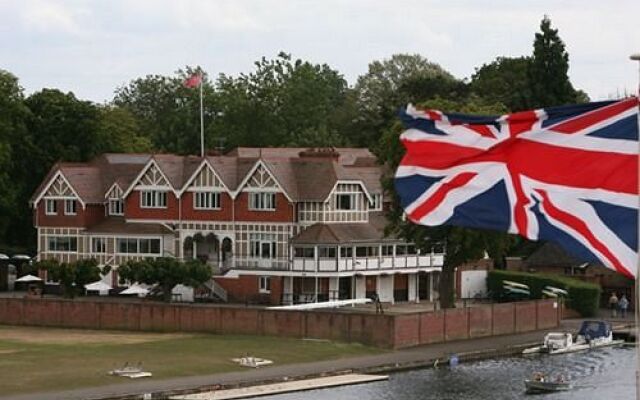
pixel 636 57
pixel 201 121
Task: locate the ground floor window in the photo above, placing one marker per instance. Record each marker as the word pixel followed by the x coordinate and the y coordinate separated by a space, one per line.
pixel 265 284
pixel 98 245
pixel 138 246
pixel 62 243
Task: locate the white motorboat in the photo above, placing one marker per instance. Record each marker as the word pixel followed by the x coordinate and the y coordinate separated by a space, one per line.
pixel 592 334
pixel 252 362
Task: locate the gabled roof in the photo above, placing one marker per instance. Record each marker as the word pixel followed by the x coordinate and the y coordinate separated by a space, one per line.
pixel 303 174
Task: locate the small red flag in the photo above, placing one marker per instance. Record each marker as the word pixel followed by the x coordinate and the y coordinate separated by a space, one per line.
pixel 193 81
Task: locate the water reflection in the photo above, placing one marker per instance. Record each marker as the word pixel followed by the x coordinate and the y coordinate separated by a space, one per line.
pixel 599 374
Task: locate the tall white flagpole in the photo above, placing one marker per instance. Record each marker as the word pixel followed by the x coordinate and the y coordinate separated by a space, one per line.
pixel 636 57
pixel 201 119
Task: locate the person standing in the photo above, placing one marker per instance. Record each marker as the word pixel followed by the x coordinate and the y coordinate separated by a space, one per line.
pixel 623 304
pixel 613 304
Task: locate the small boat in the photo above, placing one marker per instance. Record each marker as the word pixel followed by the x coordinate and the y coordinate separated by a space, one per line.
pixel 132 372
pixel 544 386
pixel 592 334
pixel 252 362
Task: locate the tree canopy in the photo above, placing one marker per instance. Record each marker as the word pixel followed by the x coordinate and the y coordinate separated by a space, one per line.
pixel 165 274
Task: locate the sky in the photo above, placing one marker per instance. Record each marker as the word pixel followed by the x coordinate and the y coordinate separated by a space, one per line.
pixel 93 47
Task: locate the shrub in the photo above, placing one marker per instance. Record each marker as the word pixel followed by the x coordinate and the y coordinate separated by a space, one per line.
pixel 583 297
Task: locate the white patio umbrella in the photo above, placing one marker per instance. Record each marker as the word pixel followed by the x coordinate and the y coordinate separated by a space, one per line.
pixel 28 278
pixel 135 289
pixel 99 286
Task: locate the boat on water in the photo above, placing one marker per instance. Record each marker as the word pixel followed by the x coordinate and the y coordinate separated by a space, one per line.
pixel 541 384
pixel 592 334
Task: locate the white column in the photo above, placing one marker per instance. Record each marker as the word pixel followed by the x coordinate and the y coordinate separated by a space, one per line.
pixel 288 288
pixel 194 245
pixel 333 287
pixel 385 288
pixel 413 287
pixel 360 287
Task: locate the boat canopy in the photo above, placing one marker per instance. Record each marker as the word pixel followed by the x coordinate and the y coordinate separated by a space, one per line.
pixel 595 329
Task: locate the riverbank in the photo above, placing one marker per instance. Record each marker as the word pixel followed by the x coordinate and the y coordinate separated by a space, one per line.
pixel 418 357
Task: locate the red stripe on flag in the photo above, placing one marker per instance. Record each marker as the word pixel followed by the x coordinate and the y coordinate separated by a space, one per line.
pixel 438 197
pixel 583 121
pixel 521 122
pixel 582 228
pixel 540 161
pixel 482 130
pixel 519 208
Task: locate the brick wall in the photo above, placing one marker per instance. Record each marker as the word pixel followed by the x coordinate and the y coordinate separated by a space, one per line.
pixel 189 213
pixel 90 215
pixel 474 322
pixel 282 213
pixel 390 331
pixel 244 289
pixel 132 209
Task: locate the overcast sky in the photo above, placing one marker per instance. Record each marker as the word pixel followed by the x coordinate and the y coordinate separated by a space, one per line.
pixel 92 47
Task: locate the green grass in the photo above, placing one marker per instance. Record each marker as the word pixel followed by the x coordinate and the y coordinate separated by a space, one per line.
pixel 53 363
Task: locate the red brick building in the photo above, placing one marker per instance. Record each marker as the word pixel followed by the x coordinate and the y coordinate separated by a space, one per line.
pixel 278 225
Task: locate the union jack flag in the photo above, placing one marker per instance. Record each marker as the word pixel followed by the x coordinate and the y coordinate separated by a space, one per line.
pixel 564 174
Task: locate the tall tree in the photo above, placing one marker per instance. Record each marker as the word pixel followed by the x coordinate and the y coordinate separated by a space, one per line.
pixel 505 80
pixel 394 82
pixel 548 71
pixel 285 102
pixel 462 245
pixel 119 131
pixel 13 116
pixel 168 113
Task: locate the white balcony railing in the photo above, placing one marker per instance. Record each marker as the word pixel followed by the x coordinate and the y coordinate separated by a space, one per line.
pixel 367 263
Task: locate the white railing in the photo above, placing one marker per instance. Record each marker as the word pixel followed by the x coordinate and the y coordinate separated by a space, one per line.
pixel 367 263
pixel 216 289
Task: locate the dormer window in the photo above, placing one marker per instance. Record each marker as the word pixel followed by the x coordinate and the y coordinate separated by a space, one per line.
pixel 70 207
pixel 153 199
pixel 206 200
pixel 116 207
pixel 262 201
pixel 345 202
pixel 51 207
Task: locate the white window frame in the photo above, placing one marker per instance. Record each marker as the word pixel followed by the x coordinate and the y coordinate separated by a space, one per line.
pixel 70 207
pixel 206 200
pixel 116 206
pixel 259 242
pixel 262 201
pixel 352 201
pixel 50 207
pixel 138 242
pixel 153 199
pixel 264 284
pixel 98 245
pixel 376 205
pixel 56 239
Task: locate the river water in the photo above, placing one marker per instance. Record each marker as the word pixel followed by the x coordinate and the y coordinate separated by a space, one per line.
pixel 606 374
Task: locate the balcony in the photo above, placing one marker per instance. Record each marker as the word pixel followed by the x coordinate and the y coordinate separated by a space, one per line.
pixel 397 262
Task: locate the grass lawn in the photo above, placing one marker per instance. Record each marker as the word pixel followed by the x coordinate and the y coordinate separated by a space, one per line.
pixel 42 359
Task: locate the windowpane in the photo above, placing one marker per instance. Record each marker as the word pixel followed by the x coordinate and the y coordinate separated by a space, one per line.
pixel 262 201
pixel 345 202
pixel 70 207
pixel 361 251
pixel 51 207
pixel 346 252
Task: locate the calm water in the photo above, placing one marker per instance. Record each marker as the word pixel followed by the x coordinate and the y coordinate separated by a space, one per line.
pixel 606 374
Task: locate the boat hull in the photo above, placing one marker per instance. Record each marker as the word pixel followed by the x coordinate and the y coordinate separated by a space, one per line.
pixel 546 387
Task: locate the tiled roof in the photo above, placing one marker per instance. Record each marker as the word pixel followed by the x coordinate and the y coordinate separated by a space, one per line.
pixel 342 233
pixel 118 225
pixel 304 174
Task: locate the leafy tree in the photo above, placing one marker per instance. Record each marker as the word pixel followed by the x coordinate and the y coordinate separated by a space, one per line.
pixel 392 83
pixel 13 115
pixel 285 102
pixel 73 276
pixel 505 80
pixel 548 72
pixel 462 245
pixel 165 273
pixel 168 113
pixel 119 131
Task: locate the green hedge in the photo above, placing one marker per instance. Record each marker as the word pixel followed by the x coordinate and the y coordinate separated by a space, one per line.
pixel 583 297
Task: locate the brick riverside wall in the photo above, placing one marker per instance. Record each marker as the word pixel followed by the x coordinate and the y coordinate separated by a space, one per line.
pixel 388 331
pixel 474 322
